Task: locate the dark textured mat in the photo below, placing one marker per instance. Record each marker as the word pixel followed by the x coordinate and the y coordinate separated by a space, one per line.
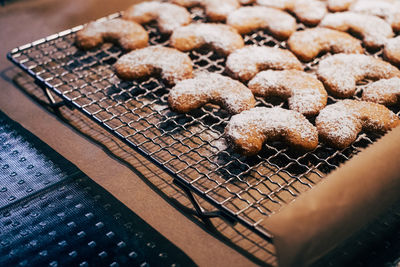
pixel 52 214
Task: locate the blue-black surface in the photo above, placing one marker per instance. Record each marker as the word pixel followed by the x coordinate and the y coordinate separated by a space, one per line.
pixel 52 214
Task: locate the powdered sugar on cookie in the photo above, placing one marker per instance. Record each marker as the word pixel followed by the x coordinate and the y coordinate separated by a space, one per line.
pixel 168 16
pixel 309 43
pixel 222 38
pixel 388 10
pixel 215 10
pixel 341 72
pixel 280 4
pixel 248 130
pixel 374 30
pixel 385 92
pixel 214 88
pixel 340 123
pixel 245 63
pixel 304 92
pixel 128 34
pixel 173 65
pixel 339 5
pixel 391 51
pixel 247 19
pixel 309 12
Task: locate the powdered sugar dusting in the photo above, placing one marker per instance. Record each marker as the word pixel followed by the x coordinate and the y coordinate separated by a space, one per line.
pixel 304 92
pixel 340 123
pixel 339 5
pixel 109 26
pixel 309 43
pixel 245 63
pixel 392 50
pixel 222 37
pixel 247 19
pixel 263 123
pixel 341 72
pixel 217 10
pixel 173 64
pixel 129 34
pixel 385 91
pixel 389 10
pixel 168 16
pixel 281 4
pixel 374 30
pixel 307 11
pixel 215 88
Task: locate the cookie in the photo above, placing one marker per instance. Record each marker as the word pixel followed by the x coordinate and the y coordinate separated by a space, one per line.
pixel 341 72
pixel 172 64
pixel 214 88
pixel 168 16
pixel 220 37
pixel 215 10
pixel 339 124
pixel 249 130
pixel 280 4
pixel 339 5
pixel 247 2
pixel 128 34
pixel 304 92
pixel 385 92
pixel 373 30
pixel 309 12
pixel 391 51
pixel 243 64
pixel 389 10
pixel 247 19
pixel 308 44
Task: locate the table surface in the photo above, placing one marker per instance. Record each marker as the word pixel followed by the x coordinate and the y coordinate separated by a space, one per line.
pixel 134 181
pixel 24 21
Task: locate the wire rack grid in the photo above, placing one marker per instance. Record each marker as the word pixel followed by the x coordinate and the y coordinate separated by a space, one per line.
pixel 191 147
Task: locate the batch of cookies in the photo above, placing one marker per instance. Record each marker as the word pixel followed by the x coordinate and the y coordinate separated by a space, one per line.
pixel 260 71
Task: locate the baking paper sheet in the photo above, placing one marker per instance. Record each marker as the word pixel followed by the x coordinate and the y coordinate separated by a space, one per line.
pixel 347 199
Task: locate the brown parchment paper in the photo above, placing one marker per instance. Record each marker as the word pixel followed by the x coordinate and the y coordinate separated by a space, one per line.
pixel 341 204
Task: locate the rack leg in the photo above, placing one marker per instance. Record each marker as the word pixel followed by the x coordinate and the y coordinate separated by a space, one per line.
pixel 203 214
pixel 52 103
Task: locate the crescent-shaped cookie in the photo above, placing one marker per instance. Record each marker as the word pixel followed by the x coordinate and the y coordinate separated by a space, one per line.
pixel 309 12
pixel 389 10
pixel 373 30
pixel 214 88
pixel 220 37
pixel 339 5
pixel 243 64
pixel 247 19
pixel 304 92
pixel 280 4
pixel 385 92
pixel 308 44
pixel 172 64
pixel 341 72
pixel 247 2
pixel 391 51
pixel 215 10
pixel 168 16
pixel 128 34
pixel 339 124
pixel 249 130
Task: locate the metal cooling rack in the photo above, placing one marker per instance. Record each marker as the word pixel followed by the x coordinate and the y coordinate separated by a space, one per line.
pixel 190 147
